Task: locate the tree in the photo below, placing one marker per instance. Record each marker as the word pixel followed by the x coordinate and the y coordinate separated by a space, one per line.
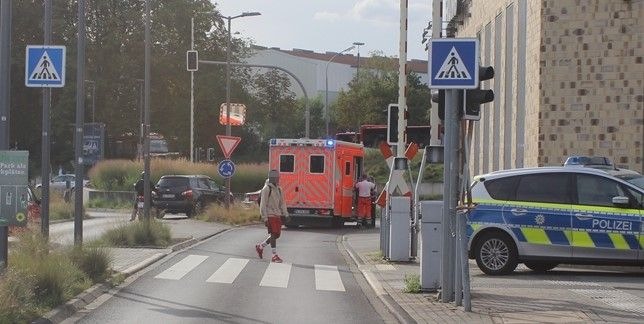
pixel 369 94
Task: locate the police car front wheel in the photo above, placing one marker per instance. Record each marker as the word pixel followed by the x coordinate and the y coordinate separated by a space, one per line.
pixel 540 266
pixel 496 254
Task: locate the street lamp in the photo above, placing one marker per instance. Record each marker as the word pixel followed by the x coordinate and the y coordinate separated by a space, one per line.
pixel 326 88
pixel 358 44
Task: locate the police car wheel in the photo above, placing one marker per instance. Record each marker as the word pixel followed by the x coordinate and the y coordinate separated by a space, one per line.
pixel 496 254
pixel 540 266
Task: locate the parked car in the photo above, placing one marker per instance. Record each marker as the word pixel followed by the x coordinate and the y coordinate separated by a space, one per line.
pixel 59 182
pixel 546 216
pixel 187 194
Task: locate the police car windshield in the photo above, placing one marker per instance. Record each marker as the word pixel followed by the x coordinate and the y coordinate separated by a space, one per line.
pixel 636 179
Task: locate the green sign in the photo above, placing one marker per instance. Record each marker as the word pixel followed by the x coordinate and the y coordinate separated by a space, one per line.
pixel 13 187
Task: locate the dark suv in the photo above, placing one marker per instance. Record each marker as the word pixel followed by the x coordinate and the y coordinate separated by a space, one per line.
pixel 187 194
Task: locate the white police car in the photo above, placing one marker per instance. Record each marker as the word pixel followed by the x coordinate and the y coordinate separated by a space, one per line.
pixel 546 216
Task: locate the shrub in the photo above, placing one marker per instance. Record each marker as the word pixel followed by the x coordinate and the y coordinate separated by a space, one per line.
pixel 109 204
pixel 412 284
pixel 237 215
pixel 94 261
pixel 120 175
pixel 16 297
pixel 141 233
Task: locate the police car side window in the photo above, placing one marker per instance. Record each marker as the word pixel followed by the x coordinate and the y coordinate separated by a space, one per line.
pixel 597 191
pixel 544 188
pixel 502 189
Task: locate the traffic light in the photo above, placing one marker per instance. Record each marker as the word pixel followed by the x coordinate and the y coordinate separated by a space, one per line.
pixel 439 99
pixel 476 97
pixel 192 60
pixel 392 124
pixel 211 154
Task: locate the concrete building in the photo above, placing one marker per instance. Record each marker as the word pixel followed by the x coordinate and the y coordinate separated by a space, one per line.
pixel 569 80
pixel 310 68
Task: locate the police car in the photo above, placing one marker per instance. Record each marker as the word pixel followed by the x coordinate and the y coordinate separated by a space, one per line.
pixel 546 216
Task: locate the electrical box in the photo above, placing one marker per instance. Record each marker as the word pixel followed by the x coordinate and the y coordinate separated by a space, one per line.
pixel 431 232
pixel 399 228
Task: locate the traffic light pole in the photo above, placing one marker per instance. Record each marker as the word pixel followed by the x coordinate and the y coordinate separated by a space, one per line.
pixel 450 193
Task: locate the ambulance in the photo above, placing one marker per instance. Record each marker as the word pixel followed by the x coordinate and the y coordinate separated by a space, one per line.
pixel 317 177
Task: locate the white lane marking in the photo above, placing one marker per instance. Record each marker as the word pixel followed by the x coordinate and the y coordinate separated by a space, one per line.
pixel 276 275
pixel 229 271
pixel 328 278
pixel 181 268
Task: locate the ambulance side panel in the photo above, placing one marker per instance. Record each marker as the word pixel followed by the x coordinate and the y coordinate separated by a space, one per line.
pixel 346 157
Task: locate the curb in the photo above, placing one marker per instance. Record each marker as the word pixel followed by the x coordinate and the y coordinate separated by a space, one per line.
pixel 83 299
pixel 394 308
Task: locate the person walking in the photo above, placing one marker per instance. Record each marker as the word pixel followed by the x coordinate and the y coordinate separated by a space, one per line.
pixel 364 188
pixel 272 207
pixel 139 187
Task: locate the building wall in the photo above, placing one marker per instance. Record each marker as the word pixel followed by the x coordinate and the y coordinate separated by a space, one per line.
pixel 592 81
pixel 569 80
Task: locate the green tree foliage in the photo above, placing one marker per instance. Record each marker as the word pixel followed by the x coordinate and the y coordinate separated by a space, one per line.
pixel 369 94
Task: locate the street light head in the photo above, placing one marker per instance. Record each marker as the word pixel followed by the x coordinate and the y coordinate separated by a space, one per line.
pixel 348 49
pixel 248 14
pixel 358 43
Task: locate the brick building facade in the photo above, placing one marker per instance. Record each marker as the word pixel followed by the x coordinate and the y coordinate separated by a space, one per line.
pixel 569 81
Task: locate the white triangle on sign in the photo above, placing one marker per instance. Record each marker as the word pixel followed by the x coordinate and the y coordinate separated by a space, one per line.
pixel 228 144
pixel 44 70
pixel 453 68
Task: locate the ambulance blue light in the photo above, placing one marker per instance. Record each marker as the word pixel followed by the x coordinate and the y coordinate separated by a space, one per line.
pixel 330 143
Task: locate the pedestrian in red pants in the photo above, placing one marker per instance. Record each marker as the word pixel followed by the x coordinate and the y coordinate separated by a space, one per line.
pixel 364 188
pixel 272 207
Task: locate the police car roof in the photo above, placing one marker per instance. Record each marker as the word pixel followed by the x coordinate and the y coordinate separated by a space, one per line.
pixel 520 171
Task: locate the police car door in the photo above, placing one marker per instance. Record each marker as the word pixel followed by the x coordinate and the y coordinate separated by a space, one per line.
pixel 602 230
pixel 540 215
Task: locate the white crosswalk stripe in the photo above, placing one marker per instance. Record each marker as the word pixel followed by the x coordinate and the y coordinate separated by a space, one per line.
pixel 328 278
pixel 181 268
pixel 229 271
pixel 276 275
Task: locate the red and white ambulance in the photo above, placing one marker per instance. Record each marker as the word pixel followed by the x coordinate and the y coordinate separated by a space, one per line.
pixel 317 177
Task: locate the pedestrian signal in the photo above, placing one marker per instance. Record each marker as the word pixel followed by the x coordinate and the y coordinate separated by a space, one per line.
pixel 192 60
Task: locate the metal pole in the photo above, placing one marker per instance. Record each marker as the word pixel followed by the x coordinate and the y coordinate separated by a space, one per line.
pixel 192 95
pixel 146 146
pixel 5 104
pixel 93 101
pixel 80 120
pixel 228 131
pixel 402 80
pixel 46 126
pixel 437 26
pixel 139 146
pixel 450 189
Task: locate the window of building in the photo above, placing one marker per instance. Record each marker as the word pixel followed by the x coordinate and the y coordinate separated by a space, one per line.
pixel 287 163
pixel 316 164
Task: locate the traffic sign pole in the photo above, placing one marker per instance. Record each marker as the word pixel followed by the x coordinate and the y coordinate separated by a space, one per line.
pixel 80 120
pixel 46 127
pixel 5 90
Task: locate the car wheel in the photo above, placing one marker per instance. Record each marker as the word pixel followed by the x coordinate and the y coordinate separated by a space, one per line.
pixel 496 254
pixel 197 208
pixel 540 266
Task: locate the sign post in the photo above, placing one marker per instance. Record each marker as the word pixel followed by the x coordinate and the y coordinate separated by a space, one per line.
pixel 453 65
pixel 13 192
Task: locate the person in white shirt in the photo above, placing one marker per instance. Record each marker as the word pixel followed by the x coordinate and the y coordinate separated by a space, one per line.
pixel 364 188
pixel 272 207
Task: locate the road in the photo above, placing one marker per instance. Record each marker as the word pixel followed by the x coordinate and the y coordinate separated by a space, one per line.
pixel 93 227
pixel 223 281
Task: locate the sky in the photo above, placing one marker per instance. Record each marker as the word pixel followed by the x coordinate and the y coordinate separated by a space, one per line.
pixel 330 25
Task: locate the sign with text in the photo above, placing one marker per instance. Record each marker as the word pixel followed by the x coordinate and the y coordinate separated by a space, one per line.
pixel 14 169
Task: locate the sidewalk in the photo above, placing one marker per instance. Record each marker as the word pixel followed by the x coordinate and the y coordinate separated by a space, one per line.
pixel 523 297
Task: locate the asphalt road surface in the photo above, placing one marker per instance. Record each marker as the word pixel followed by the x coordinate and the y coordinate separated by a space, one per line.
pixel 223 281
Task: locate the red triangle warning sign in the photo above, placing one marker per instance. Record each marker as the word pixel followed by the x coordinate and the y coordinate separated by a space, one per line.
pixel 228 144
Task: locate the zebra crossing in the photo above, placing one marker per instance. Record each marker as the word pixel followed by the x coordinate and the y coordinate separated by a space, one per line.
pixel 276 275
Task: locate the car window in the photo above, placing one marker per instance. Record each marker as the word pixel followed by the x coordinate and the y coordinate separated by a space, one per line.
pixel 597 191
pixel 202 183
pixel 213 185
pixel 58 179
pixel 173 182
pixel 316 164
pixel 544 188
pixel 287 163
pixel 502 189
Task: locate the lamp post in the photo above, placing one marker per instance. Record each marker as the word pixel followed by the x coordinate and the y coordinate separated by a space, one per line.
pixel 93 84
pixel 326 88
pixel 358 44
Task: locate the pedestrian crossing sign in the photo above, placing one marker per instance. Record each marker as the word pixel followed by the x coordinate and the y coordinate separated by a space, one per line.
pixel 45 66
pixel 453 63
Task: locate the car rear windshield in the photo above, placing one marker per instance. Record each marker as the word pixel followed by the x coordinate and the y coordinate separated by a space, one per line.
pixel 173 182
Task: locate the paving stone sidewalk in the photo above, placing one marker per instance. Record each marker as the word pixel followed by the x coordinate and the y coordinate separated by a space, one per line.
pixel 521 298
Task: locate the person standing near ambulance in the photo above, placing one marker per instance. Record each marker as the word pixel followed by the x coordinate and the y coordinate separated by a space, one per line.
pixel 364 188
pixel 272 207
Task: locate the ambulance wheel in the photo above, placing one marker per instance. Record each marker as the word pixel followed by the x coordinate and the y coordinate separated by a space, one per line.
pixel 496 254
pixel 540 266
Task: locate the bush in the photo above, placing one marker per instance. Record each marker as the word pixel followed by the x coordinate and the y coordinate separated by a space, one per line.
pixel 375 166
pixel 94 261
pixel 109 204
pixel 412 284
pixel 140 233
pixel 237 215
pixel 16 297
pixel 120 175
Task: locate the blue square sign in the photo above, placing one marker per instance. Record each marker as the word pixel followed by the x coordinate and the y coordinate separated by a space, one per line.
pixel 45 66
pixel 453 63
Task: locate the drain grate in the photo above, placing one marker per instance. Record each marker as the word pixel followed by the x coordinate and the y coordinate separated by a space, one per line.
pixel 615 298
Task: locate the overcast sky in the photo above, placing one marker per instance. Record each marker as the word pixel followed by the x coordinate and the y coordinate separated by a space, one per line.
pixel 330 25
